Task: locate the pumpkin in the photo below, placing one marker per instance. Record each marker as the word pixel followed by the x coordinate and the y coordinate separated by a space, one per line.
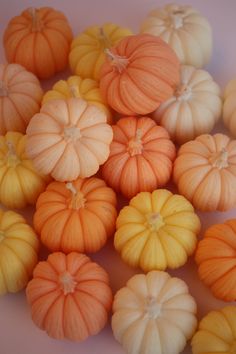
pixel 20 184
pixel 194 108
pixel 205 173
pixel 69 296
pixel 76 87
pixel 229 107
pixel 156 230
pixel 39 39
pixel 141 156
pixel 18 252
pixel 216 333
pixel 77 216
pixel 68 139
pixel 185 30
pixel 20 97
pixel 87 49
pixel 154 313
pixel 140 72
pixel 216 259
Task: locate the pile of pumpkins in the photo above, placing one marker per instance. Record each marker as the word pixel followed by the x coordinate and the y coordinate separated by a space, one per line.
pixel 114 128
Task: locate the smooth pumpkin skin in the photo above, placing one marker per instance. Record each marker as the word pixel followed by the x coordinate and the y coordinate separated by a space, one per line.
pixel 229 107
pixel 20 183
pixel 39 39
pixel 187 32
pixel 18 252
pixel 69 296
pixel 194 108
pixel 68 139
pixel 75 86
pixel 87 53
pixel 216 259
pixel 140 72
pixel 20 97
pixel 141 156
pixel 77 216
pixel 154 313
pixel 216 332
pixel 156 230
pixel 205 172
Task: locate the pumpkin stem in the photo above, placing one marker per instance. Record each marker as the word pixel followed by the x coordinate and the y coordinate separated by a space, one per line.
pixel 183 92
pixel 67 282
pixel 74 91
pixel 154 221
pixel 176 18
pixel 152 308
pixel 135 146
pixel 104 38
pixel 77 201
pixel 11 156
pixel 36 22
pixel 3 89
pixel 220 159
pixel 72 133
pixel 119 62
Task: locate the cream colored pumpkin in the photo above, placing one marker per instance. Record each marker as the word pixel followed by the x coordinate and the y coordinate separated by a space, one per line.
pixel 154 314
pixel 229 107
pixel 184 29
pixel 194 108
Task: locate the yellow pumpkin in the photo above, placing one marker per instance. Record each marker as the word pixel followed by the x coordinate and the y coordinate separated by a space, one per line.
pixel 216 333
pixel 75 86
pixel 156 230
pixel 18 252
pixel 20 184
pixel 88 49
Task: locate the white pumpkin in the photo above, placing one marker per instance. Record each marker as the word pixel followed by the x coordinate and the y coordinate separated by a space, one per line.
pixel 229 107
pixel 194 108
pixel 185 30
pixel 153 314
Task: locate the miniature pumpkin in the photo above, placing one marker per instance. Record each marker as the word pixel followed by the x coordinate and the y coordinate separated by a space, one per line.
pixel 229 107
pixel 141 156
pixel 69 296
pixel 18 252
pixel 216 333
pixel 87 49
pixel 68 139
pixel 216 259
pixel 76 87
pixel 20 184
pixel 20 97
pixel 39 39
pixel 140 72
pixel 205 172
pixel 154 313
pixel 185 30
pixel 76 216
pixel 194 108
pixel 156 230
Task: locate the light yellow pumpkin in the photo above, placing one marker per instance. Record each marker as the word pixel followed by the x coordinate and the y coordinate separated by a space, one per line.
pixel 229 107
pixel 156 230
pixel 75 86
pixel 154 314
pixel 20 184
pixel 184 29
pixel 88 49
pixel 216 333
pixel 18 252
pixel 194 108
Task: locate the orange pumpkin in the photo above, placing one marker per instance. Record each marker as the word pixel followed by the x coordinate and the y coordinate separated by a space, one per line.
pixel 20 97
pixel 141 72
pixel 69 296
pixel 68 139
pixel 141 156
pixel 39 39
pixel 205 172
pixel 216 259
pixel 77 216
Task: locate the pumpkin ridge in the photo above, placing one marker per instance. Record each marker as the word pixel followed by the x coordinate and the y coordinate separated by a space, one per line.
pixel 81 313
pixel 17 46
pixel 50 48
pixel 229 323
pixel 223 275
pixel 188 253
pixel 139 88
pixel 16 108
pixel 18 258
pixel 24 94
pixel 21 186
pixel 180 176
pixel 61 33
pixel 17 238
pixel 89 294
pixel 3 277
pixel 64 228
pixel 214 334
pixel 32 302
pixel 49 308
pixel 175 325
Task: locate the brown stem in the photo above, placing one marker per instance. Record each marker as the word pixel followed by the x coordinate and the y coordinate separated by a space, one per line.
pixel 104 38
pixel 135 145
pixel 36 22
pixel 119 62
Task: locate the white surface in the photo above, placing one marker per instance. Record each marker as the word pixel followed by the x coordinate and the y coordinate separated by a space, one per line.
pixel 18 335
